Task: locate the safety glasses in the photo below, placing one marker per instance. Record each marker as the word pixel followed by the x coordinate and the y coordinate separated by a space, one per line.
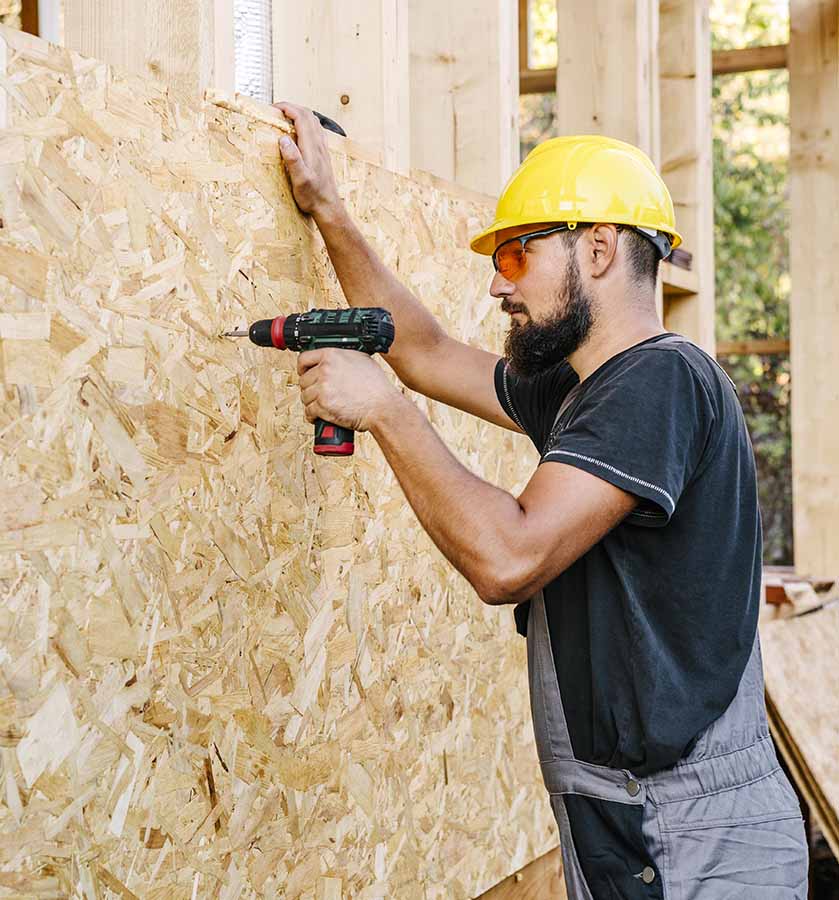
pixel 510 259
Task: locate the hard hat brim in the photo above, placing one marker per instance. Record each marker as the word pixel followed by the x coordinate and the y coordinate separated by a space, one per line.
pixel 486 241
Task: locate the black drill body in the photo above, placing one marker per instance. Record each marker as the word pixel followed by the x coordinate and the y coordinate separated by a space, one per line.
pixel 369 330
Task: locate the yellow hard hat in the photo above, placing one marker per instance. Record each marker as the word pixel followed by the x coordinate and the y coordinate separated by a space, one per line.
pixel 585 178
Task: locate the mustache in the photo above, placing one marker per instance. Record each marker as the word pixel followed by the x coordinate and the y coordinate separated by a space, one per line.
pixel 510 308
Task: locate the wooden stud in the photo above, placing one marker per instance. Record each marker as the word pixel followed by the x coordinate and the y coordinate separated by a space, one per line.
pixel 175 41
pixel 349 59
pixel 29 16
pixel 686 157
pixel 464 91
pixel 814 268
pixel 607 72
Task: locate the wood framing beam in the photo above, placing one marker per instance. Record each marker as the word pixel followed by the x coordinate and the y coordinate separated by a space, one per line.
pixel 724 62
pixel 174 41
pixel 749 59
pixel 814 270
pixel 537 81
pixel 686 156
pixel 759 346
pixel 607 72
pixel 464 91
pixel 29 16
pixel 349 59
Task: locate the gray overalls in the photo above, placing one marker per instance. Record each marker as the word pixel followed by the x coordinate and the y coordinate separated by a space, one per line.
pixel 722 823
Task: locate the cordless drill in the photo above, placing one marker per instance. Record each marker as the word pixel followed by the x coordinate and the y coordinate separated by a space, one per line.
pixel 369 330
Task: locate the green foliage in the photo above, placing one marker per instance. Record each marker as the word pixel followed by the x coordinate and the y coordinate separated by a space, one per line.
pixel 751 233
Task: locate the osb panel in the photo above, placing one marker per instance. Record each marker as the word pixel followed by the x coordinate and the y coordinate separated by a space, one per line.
pixel 229 667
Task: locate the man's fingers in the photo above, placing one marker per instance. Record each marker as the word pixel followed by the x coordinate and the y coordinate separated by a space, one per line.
pixel 290 153
pixel 307 359
pixel 308 128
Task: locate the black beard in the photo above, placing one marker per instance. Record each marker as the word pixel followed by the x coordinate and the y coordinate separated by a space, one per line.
pixel 534 347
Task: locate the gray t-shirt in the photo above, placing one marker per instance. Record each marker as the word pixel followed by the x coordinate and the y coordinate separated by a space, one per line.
pixel 652 628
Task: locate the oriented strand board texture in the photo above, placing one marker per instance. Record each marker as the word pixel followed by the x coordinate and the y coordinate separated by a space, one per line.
pixel 229 668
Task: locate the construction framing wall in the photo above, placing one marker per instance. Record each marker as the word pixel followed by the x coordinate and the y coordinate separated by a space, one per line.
pixel 229 667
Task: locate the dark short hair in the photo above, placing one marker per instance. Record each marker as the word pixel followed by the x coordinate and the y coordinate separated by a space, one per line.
pixel 642 255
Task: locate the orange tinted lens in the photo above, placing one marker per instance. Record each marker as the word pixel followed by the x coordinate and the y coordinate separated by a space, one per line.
pixel 509 259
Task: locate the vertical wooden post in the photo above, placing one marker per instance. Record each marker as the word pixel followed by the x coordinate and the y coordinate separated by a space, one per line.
pixel 814 263
pixel 607 70
pixel 464 91
pixel 686 156
pixel 349 60
pixel 29 16
pixel 607 73
pixel 172 40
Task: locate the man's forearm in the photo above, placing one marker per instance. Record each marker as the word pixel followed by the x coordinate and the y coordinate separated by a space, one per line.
pixel 366 281
pixel 470 520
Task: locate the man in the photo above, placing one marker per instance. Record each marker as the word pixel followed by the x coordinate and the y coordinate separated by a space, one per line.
pixel 634 553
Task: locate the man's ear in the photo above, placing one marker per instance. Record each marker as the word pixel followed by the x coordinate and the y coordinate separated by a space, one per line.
pixel 601 248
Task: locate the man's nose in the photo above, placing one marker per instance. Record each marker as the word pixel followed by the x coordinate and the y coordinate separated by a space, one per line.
pixel 501 287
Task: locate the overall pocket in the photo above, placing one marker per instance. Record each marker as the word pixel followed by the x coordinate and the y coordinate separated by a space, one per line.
pixel 746 842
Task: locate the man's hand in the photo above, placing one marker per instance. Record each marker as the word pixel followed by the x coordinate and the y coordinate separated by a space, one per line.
pixel 308 163
pixel 345 387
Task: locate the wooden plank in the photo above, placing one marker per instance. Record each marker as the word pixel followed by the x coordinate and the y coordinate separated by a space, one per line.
pixel 607 72
pixel 541 880
pixel 686 157
pixel 171 40
pixel 762 346
pixel 749 59
pixel 537 81
pixel 814 269
pixel 29 16
pixel 524 35
pixel 464 91
pixel 723 62
pixel 349 59
pixel 802 685
pixel 678 282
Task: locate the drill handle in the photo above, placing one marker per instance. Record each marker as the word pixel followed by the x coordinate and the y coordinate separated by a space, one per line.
pixel 333 440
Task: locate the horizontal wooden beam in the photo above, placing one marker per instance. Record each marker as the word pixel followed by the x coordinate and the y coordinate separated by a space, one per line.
pixel 761 346
pixel 750 59
pixel 678 282
pixel 725 62
pixel 537 81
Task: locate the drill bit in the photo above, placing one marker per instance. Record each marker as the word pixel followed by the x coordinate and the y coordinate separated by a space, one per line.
pixel 234 333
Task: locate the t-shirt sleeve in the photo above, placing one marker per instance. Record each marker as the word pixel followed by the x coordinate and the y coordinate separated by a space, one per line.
pixel 643 429
pixel 532 402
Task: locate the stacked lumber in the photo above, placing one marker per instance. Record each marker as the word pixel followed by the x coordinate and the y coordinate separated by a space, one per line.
pixel 230 668
pixel 802 688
